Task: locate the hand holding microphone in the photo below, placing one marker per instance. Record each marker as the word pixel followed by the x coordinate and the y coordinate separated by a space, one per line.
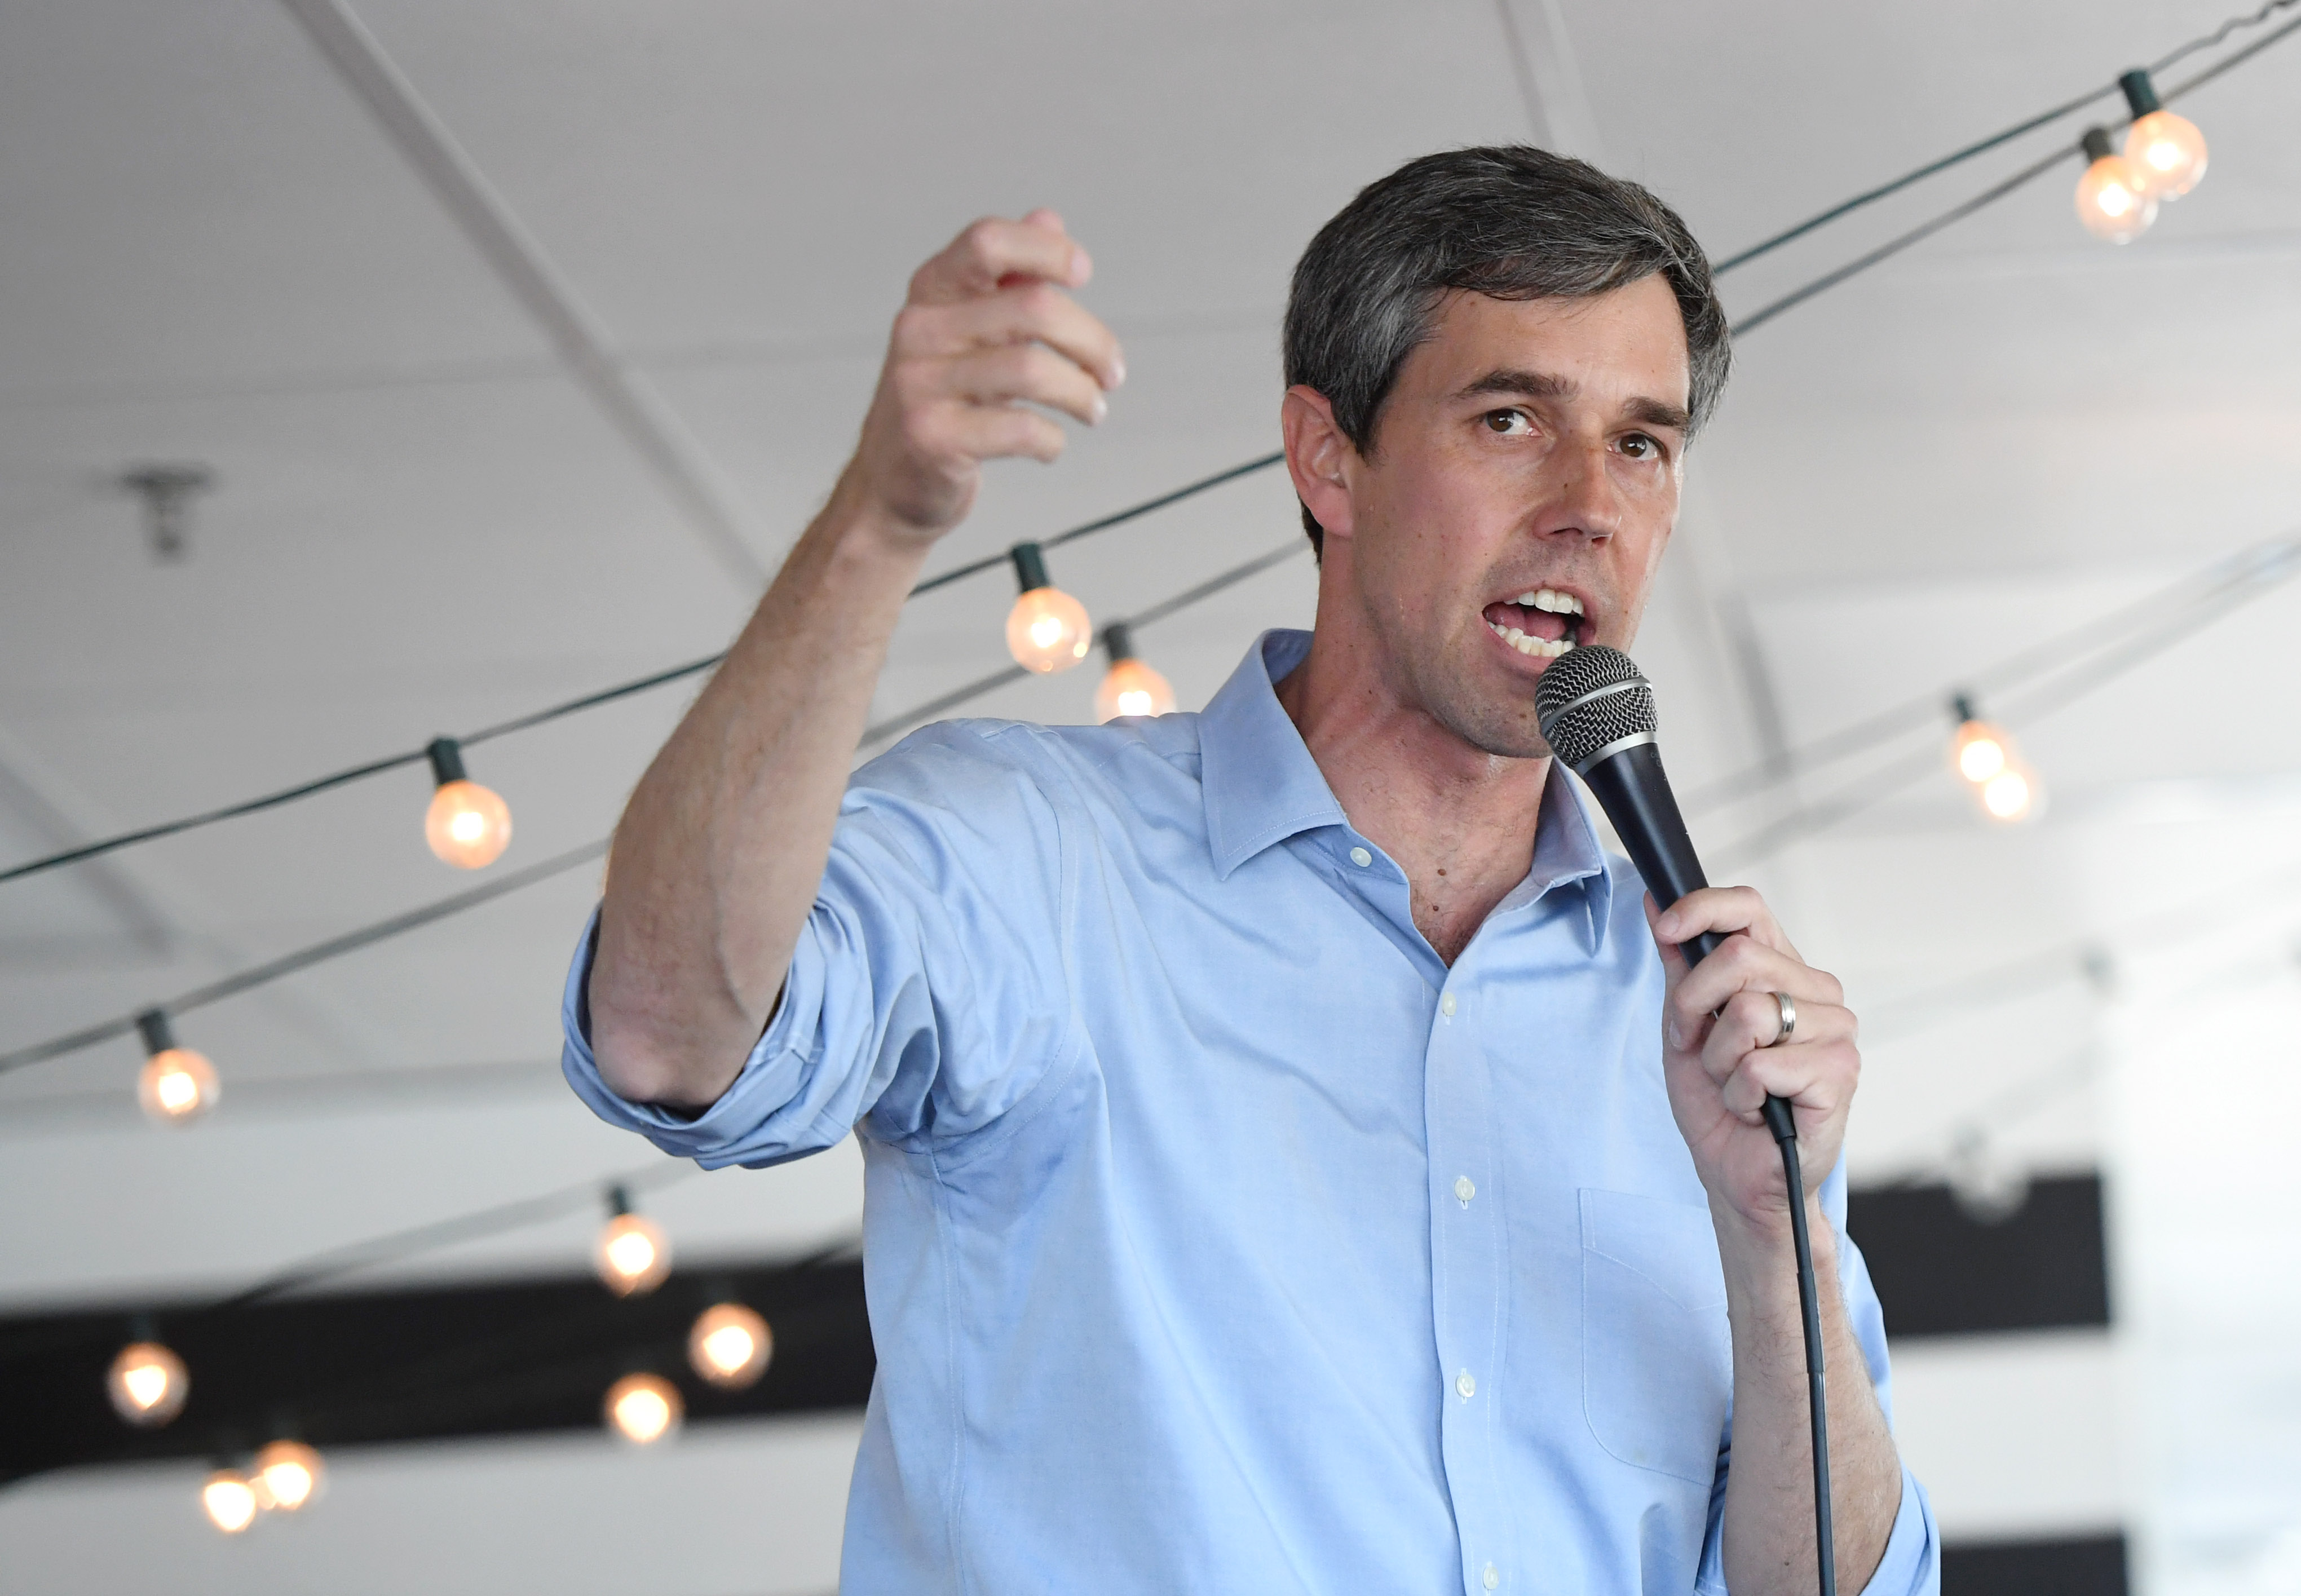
pixel 1733 975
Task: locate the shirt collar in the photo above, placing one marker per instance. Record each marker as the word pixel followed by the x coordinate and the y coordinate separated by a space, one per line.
pixel 1567 848
pixel 1262 786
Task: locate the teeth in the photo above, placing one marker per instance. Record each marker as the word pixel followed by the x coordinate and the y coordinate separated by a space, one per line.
pixel 1550 600
pixel 1533 647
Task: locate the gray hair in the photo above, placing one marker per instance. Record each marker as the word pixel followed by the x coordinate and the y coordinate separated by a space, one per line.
pixel 1507 221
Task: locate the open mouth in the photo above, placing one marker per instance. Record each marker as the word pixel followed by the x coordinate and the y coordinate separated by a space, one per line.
pixel 1542 625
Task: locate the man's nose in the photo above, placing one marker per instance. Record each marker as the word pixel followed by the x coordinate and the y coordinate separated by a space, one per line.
pixel 1587 501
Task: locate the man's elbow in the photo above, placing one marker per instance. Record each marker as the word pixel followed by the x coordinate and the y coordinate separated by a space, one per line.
pixel 642 1061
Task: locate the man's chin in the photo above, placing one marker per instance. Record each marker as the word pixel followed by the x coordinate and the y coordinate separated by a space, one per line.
pixel 1502 732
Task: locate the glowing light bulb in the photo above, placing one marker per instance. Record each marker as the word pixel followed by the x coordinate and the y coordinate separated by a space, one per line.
pixel 729 1345
pixel 634 1257
pixel 177 1085
pixel 288 1474
pixel 147 1385
pixel 644 1409
pixel 2011 794
pixel 1980 750
pixel 467 825
pixel 228 1501
pixel 2166 151
pixel 1129 686
pixel 1048 630
pixel 2113 199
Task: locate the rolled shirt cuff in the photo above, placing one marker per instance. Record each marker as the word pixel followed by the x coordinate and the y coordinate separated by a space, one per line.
pixel 750 1124
pixel 1912 1566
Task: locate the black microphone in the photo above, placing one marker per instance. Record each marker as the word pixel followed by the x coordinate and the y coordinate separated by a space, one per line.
pixel 1596 710
pixel 1597 714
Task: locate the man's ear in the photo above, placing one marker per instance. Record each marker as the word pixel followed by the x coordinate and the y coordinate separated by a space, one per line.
pixel 1319 457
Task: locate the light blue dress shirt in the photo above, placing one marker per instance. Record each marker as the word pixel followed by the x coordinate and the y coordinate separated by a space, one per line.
pixel 1219 1237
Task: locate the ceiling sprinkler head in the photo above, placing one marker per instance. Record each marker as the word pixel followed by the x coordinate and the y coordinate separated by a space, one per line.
pixel 167 493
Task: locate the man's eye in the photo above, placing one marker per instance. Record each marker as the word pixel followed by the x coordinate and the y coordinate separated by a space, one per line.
pixel 1508 421
pixel 1639 446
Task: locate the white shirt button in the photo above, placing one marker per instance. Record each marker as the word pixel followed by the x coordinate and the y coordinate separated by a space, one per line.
pixel 1464 1386
pixel 1446 1005
pixel 1360 857
pixel 1463 1190
pixel 1492 1577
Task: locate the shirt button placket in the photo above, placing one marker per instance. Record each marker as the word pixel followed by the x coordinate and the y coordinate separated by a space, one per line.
pixel 1491 1576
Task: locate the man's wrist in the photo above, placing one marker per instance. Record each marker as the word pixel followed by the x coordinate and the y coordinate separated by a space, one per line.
pixel 1761 1249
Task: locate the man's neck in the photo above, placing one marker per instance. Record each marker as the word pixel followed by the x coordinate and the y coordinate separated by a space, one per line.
pixel 1460 821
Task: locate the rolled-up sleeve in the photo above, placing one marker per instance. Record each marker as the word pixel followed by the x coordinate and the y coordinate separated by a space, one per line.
pixel 929 990
pixel 1912 1566
pixel 1912 1563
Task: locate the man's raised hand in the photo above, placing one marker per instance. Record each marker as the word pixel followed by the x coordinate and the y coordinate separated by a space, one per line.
pixel 990 331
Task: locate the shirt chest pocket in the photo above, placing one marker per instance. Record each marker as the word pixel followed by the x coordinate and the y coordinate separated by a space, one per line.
pixel 1657 1353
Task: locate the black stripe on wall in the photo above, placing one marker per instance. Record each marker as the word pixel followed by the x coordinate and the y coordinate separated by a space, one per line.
pixel 1939 1271
pixel 422 1365
pixel 2092 1567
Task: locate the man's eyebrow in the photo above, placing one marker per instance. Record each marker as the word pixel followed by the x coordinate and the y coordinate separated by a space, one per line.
pixel 1532 385
pixel 1655 412
pixel 1515 382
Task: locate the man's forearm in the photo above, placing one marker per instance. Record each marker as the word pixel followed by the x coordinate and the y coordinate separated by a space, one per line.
pixel 720 851
pixel 1768 1530
pixel 716 862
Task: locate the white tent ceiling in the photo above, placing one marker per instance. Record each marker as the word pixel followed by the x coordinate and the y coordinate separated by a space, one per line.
pixel 422 521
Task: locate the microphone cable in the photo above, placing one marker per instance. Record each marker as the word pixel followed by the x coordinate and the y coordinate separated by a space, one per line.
pixel 1817 1381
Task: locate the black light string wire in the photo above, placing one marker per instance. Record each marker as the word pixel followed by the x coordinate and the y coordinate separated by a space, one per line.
pixel 2240 577
pixel 2040 699
pixel 2004 136
pixel 2256 571
pixel 1988 197
pixel 303 789
pixel 398 1246
pixel 1262 463
pixel 352 941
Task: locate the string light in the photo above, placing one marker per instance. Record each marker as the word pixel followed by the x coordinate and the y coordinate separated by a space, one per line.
pixel 632 1255
pixel 2113 198
pixel 2011 795
pixel 729 1345
pixel 644 1409
pixel 147 1383
pixel 2166 150
pixel 467 825
pixel 228 1501
pixel 177 1085
pixel 1129 686
pixel 1979 750
pixel 1983 754
pixel 1048 630
pixel 288 1474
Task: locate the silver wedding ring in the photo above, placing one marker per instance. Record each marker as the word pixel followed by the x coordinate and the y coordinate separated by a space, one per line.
pixel 1786 1009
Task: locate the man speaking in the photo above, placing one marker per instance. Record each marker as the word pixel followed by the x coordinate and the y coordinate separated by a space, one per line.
pixel 1298 1159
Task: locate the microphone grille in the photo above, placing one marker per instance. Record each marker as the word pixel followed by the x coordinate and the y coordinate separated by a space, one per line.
pixel 1578 715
